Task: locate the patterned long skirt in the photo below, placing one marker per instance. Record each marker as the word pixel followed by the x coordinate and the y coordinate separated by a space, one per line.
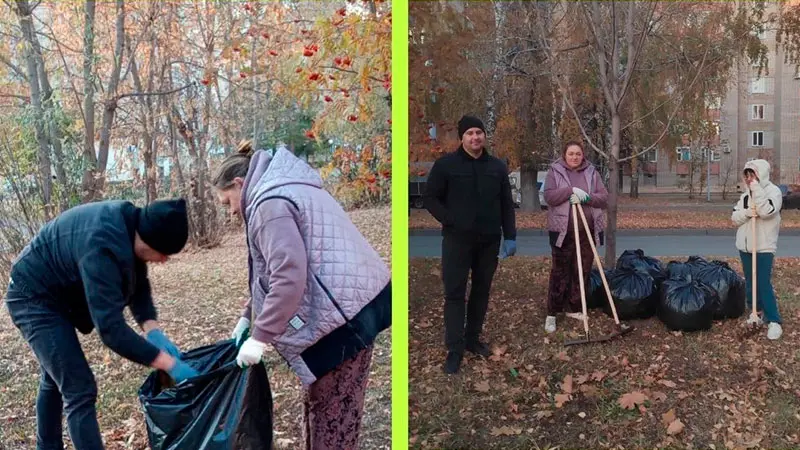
pixel 565 293
pixel 334 405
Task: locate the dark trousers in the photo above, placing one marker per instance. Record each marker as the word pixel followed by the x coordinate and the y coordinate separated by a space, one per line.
pixel 460 254
pixel 565 290
pixel 67 383
pixel 766 294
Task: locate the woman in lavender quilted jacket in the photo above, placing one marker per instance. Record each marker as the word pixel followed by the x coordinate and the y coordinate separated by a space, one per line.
pixel 571 180
pixel 319 293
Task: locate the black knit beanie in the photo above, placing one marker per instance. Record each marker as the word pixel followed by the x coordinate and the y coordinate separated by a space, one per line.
pixel 164 225
pixel 468 122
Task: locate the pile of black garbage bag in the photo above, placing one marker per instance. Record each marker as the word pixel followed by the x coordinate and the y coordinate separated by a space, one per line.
pixel 223 408
pixel 686 296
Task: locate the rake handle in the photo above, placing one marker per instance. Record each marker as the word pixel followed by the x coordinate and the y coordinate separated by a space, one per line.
pixel 599 266
pixel 754 313
pixel 580 268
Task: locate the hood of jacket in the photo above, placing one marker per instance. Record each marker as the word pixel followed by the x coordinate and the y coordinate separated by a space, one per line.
pixel 761 168
pixel 282 169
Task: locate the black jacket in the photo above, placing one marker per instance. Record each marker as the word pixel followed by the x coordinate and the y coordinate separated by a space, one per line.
pixel 467 194
pixel 82 264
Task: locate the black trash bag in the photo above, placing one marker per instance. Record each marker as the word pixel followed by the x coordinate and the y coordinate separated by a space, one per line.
pixel 224 408
pixel 697 263
pixel 729 286
pixel 635 294
pixel 596 296
pixel 686 305
pixel 677 270
pixel 636 260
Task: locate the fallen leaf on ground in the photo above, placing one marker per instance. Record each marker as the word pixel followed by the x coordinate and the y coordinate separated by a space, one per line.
pixel 562 356
pixel 505 431
pixel 561 399
pixel 598 375
pixel 631 399
pixel 667 383
pixel 482 386
pixel 566 386
pixel 675 427
pixel 658 396
pixel 668 417
pixel 589 391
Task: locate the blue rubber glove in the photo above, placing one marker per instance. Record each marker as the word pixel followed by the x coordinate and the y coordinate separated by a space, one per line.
pixel 509 249
pixel 182 371
pixel 160 340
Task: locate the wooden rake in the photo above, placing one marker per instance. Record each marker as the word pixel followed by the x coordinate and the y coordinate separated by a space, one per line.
pixel 621 328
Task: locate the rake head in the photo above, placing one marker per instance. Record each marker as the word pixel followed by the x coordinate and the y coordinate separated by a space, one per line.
pixel 622 329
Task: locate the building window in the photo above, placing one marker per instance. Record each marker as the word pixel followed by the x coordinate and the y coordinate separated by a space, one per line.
pixel 758 86
pixel 651 155
pixel 757 113
pixel 756 138
pixel 684 153
pixel 715 155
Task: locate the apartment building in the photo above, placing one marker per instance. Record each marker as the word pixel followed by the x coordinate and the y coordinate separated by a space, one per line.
pixel 758 118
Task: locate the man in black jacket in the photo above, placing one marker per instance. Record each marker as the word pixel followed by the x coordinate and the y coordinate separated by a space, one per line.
pixel 469 193
pixel 80 271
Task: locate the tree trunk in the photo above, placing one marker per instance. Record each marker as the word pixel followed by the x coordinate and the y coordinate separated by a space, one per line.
pixel 51 125
pixel 635 178
pixel 148 153
pixel 25 16
pixel 89 151
pixel 529 189
pixel 613 191
pixel 497 71
pixel 110 104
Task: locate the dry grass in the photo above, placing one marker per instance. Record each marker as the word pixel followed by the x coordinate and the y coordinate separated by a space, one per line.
pixel 199 296
pixel 726 393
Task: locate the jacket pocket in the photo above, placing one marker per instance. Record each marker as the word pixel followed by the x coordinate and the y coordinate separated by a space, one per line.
pixel 258 294
pixel 330 297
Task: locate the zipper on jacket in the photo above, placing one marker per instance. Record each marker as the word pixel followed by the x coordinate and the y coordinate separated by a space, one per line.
pixel 330 297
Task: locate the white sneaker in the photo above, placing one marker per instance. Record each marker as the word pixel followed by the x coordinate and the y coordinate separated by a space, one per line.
pixel 774 331
pixel 550 324
pixel 576 316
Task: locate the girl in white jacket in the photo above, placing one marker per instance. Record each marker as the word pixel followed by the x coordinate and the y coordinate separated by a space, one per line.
pixel 761 199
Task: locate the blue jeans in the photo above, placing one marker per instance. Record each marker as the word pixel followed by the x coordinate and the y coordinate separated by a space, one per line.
pixel 66 383
pixel 766 294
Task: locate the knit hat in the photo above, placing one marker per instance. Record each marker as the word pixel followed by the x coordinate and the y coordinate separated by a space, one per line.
pixel 468 122
pixel 164 225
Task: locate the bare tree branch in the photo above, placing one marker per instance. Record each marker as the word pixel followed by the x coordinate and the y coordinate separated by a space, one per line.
pixel 634 51
pixel 21 97
pixel 675 111
pixel 145 94
pixel 600 49
pixel 20 73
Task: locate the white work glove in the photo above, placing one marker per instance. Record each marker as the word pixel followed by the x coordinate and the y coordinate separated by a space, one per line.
pixel 250 353
pixel 750 212
pixel 574 200
pixel 583 197
pixel 241 327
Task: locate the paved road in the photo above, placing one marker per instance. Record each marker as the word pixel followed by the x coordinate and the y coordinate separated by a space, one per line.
pixel 711 243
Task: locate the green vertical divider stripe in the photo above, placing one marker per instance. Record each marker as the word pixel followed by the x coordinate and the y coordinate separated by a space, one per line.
pixel 399 224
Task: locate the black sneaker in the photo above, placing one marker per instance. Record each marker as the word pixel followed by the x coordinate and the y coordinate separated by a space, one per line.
pixel 453 362
pixel 479 348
